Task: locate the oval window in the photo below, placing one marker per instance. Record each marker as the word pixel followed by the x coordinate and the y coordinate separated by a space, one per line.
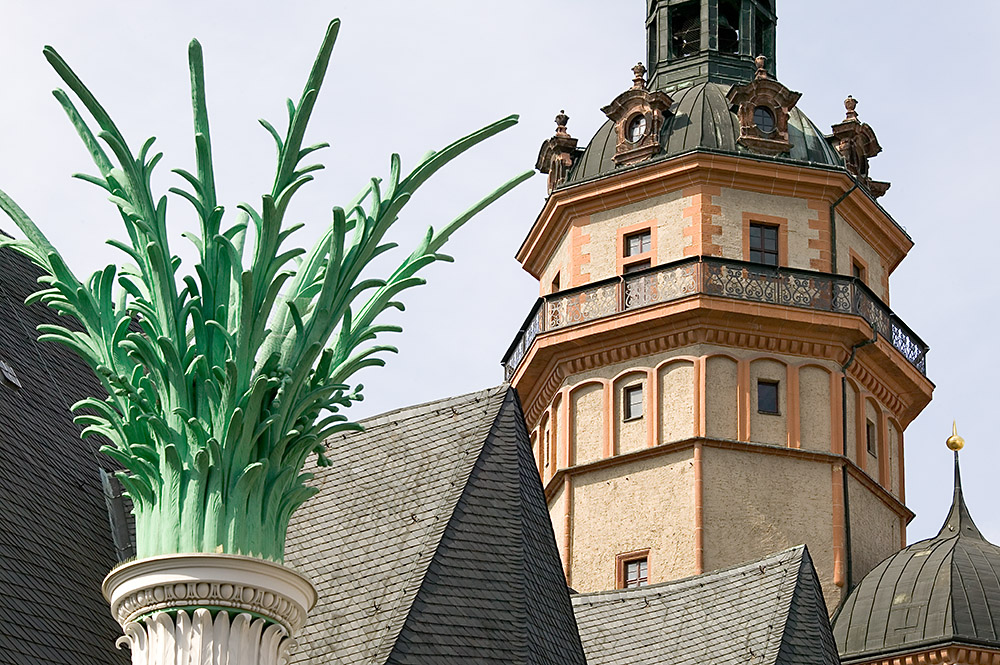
pixel 637 128
pixel 764 119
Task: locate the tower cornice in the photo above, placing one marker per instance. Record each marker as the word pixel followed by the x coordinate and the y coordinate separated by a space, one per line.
pixel 855 472
pixel 704 319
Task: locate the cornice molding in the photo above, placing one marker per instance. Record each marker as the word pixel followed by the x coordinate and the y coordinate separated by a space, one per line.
pixel 950 654
pixel 897 506
pixel 707 320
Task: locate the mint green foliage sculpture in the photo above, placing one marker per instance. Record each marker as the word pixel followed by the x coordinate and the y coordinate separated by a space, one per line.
pixel 222 383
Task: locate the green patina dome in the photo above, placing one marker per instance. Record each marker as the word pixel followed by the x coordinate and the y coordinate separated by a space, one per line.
pixel 701 119
pixel 939 591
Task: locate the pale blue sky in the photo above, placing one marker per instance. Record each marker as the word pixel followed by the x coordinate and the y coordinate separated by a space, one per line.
pixel 409 77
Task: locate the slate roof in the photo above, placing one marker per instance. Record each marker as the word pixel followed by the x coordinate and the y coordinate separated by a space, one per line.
pixel 430 542
pixel 55 542
pixel 701 119
pixel 942 590
pixel 769 612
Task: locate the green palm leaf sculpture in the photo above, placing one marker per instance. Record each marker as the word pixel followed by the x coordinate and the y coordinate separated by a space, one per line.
pixel 222 383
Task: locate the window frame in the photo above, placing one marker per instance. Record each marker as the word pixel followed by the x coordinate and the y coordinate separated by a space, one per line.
pixel 777 396
pixel 637 266
pixel 764 227
pixel 622 562
pixel 871 437
pixel 627 392
pixel 645 234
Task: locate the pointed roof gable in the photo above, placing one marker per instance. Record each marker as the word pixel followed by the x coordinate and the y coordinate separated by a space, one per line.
pixel 55 544
pixel 765 612
pixel 430 542
pixel 939 591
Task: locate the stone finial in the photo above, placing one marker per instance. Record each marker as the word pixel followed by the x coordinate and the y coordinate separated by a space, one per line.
pixel 561 120
pixel 558 153
pixel 639 82
pixel 850 104
pixel 761 62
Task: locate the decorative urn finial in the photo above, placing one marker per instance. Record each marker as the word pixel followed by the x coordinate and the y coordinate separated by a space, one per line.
pixel 955 442
pixel 850 104
pixel 561 121
pixel 761 62
pixel 639 82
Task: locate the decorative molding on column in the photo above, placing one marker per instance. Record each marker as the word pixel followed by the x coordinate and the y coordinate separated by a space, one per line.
pixel 162 639
pixel 224 581
pixel 165 603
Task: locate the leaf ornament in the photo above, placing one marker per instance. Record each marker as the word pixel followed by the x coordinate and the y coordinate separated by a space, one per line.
pixel 222 383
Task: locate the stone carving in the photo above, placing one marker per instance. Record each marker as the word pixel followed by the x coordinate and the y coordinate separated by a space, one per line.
pixel 224 381
pixel 763 107
pixel 856 142
pixel 199 638
pixel 189 581
pixel 557 155
pixel 638 115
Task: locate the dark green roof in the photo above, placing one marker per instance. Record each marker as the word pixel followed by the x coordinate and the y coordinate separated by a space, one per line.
pixel 942 590
pixel 701 119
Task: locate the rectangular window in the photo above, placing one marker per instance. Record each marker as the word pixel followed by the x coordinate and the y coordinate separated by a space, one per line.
pixel 638 243
pixel 633 402
pixel 632 569
pixel 767 397
pixel 764 244
pixel 636 573
pixel 858 271
pixel 685 30
pixel 871 437
pixel 637 266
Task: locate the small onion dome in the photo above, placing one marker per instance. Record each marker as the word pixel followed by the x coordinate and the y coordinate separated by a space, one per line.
pixel 940 591
pixel 701 119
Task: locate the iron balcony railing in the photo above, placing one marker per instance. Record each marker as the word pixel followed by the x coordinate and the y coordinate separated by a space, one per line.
pixel 722 278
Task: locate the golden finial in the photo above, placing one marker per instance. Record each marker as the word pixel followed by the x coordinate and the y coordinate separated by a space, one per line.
pixel 955 442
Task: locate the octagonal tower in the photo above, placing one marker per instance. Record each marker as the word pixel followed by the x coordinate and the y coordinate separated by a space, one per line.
pixel 712 372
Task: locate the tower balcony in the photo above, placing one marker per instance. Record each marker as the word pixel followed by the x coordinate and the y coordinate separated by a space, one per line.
pixel 700 289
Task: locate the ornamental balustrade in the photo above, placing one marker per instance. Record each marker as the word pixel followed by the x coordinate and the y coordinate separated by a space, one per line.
pixel 722 278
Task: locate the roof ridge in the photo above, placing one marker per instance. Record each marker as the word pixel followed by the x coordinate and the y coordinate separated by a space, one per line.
pixel 421 409
pixel 385 643
pixel 783 611
pixel 806 622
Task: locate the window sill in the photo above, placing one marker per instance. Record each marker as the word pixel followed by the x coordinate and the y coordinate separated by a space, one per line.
pixel 769 413
pixel 632 419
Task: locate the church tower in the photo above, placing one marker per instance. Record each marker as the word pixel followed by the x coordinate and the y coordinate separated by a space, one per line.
pixel 712 372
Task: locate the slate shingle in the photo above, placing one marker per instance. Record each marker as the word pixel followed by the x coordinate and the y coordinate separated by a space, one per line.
pixel 768 612
pixel 430 543
pixel 55 542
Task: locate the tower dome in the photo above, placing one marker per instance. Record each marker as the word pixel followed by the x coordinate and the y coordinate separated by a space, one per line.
pixel 941 591
pixel 703 119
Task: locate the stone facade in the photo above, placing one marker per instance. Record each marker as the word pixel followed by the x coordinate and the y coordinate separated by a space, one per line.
pixel 709 221
pixel 707 477
pixel 611 470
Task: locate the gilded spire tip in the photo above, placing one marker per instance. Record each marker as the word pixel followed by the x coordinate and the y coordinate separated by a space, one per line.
pixel 955 442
